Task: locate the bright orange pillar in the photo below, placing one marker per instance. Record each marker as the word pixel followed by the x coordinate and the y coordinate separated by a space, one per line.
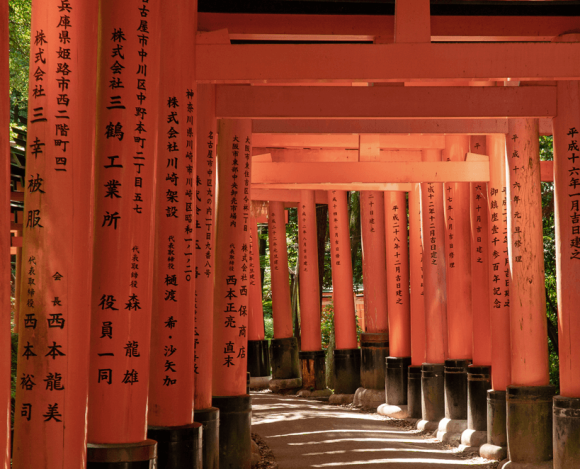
pixel 308 259
pixel 398 274
pixel 344 318
pixel 53 353
pixel 281 308
pixel 480 265
pixel 435 285
pixel 458 252
pixel 416 278
pixel 125 166
pixel 374 266
pixel 171 383
pixel 499 272
pixel 256 318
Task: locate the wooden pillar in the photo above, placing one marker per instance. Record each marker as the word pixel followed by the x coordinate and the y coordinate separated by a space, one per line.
pixel 375 338
pixel 231 292
pixel 125 165
pixel 205 204
pixel 53 353
pixel 171 385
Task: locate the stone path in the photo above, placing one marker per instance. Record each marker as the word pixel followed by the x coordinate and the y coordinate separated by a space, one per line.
pixel 308 434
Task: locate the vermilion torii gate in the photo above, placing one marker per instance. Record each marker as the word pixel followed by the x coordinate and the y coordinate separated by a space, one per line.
pixel 380 117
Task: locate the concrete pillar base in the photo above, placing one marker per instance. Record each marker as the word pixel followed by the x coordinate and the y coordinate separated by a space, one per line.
pixel 178 447
pixel 369 399
pixel 414 392
pixel 464 449
pixel 478 383
pixel 259 382
pixel 341 399
pixel 450 430
pixel 258 358
pixel 393 411
pixel 566 439
pixel 284 386
pixel 427 426
pixel 374 350
pixel 517 465
pixel 432 392
pixel 456 389
pixel 284 358
pixel 529 424
pixel 474 438
pixel 235 444
pixel 142 455
pixel 493 452
pixel 210 419
pixel 347 371
pixel 313 370
pixel 321 394
pixel 396 382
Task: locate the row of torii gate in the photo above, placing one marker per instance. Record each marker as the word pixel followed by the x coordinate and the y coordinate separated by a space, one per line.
pixel 130 219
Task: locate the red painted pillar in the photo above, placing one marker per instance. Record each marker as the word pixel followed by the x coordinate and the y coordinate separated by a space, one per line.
pixel 435 294
pixel 283 347
pixel 231 292
pixel 52 374
pixel 375 338
pixel 171 386
pixel 5 347
pixel 529 397
pixel 205 204
pixel 125 166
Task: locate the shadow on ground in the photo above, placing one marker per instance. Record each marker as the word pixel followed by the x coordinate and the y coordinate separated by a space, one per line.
pixel 304 434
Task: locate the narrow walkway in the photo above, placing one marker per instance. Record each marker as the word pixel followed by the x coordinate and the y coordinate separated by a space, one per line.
pixel 305 433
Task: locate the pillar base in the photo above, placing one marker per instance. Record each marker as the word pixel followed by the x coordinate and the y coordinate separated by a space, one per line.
pixel 432 392
pixel 450 430
pixel 142 455
pixel 414 392
pixel 496 446
pixel 456 390
pixel 259 382
pixel 235 450
pixel 210 420
pixel 258 358
pixel 529 425
pixel 493 452
pixel 427 426
pixel 313 370
pixel 341 399
pixel 285 386
pixel 396 380
pixel 347 370
pixel 374 350
pixel 178 447
pixel 394 411
pixel 284 358
pixel 320 395
pixel 478 383
pixel 473 438
pixel 369 399
pixel 566 421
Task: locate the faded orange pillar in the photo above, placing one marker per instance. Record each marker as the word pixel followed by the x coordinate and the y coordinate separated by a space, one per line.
pixel 435 294
pixel 418 332
pixel 125 166
pixel 231 292
pixel 171 385
pixel 398 297
pixel 5 339
pixel 375 338
pixel 347 355
pixel 205 204
pixel 283 347
pixel 53 351
pixel 529 397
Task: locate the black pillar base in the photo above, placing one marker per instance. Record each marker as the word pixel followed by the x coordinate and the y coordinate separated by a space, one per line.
pixel 258 358
pixel 529 424
pixel 284 358
pixel 210 420
pixel 432 392
pixel 178 447
pixel 478 383
pixel 396 380
pixel 566 421
pixel 496 446
pixel 347 370
pixel 456 389
pixel 414 392
pixel 313 370
pixel 235 450
pixel 374 350
pixel 142 455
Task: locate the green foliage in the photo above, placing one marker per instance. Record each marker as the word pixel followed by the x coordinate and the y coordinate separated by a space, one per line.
pixel 327 325
pixel 19 28
pixel 269 328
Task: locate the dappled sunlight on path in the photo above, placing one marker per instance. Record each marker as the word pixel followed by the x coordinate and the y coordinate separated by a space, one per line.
pixel 308 434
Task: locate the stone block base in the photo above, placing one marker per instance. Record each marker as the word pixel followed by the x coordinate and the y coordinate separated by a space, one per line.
pixel 369 399
pixel 473 438
pixel 493 452
pixel 283 386
pixel 450 430
pixel 529 465
pixel 393 411
pixel 341 399
pixel 259 382
pixel 427 426
pixel 319 394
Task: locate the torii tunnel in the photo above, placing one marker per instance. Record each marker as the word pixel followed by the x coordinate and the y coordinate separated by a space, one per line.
pixel 158 136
